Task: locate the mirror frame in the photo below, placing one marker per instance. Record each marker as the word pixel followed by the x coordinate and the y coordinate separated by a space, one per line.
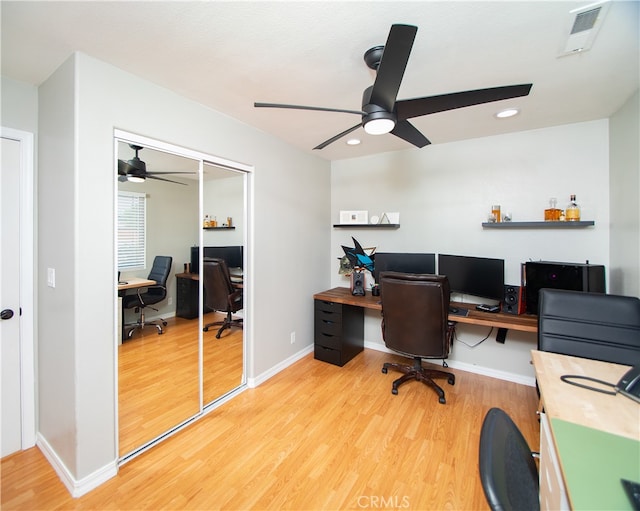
pixel 226 164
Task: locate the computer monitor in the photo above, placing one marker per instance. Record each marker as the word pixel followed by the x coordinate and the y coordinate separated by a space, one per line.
pixel 476 276
pixel 232 256
pixel 403 262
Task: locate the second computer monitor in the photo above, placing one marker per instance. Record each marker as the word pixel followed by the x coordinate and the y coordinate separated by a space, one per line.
pixel 403 262
pixel 476 276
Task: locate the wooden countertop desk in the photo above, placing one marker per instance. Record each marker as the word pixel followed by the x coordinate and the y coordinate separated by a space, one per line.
pixel 135 282
pixel 523 323
pixel 589 441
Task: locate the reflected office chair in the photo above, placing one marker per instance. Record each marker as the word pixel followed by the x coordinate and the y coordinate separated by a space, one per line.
pixel 145 297
pixel 414 323
pixel 508 471
pixel 589 325
pixel 221 295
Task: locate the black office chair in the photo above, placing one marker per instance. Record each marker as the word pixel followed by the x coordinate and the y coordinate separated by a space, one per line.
pixel 508 472
pixel 414 323
pixel 147 296
pixel 589 325
pixel 221 295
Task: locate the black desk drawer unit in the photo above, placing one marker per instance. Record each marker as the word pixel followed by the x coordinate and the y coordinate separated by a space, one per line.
pixel 339 332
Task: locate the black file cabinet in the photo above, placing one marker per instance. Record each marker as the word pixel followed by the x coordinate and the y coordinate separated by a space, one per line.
pixel 339 332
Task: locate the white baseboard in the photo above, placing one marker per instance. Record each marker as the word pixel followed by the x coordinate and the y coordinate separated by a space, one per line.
pixel 261 378
pixel 471 368
pixel 77 488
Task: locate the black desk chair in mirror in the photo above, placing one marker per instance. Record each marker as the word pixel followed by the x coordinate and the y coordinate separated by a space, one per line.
pixel 145 297
pixel 221 295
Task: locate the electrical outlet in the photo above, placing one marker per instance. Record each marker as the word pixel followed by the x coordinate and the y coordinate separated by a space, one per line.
pixel 170 301
pixel 293 337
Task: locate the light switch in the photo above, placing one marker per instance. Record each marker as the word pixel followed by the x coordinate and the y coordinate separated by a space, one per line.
pixel 51 277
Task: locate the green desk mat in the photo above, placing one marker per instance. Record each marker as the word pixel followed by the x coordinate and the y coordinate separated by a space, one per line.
pixel 593 462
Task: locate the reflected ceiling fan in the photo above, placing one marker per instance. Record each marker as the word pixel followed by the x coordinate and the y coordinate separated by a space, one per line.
pixel 382 113
pixel 135 170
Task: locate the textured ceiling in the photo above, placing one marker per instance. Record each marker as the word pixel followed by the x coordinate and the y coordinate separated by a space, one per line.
pixel 226 55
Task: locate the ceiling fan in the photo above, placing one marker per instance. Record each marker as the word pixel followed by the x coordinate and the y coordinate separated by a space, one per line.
pixel 382 113
pixel 135 170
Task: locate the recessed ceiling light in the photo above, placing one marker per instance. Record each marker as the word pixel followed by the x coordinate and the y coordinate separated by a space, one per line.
pixel 353 141
pixel 509 112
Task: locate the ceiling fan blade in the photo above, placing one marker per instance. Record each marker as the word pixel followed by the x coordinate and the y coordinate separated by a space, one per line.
pixel 340 135
pixel 408 108
pixel 392 65
pixel 123 168
pixel 169 172
pixel 407 131
pixel 149 176
pixel 303 107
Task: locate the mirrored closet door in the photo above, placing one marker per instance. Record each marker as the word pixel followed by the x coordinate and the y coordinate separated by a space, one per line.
pixel 169 192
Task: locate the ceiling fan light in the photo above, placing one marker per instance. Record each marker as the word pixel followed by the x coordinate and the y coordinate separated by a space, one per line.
pixel 508 112
pixel 379 126
pixel 135 179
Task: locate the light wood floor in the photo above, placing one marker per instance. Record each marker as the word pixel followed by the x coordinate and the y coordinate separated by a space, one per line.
pixel 158 377
pixel 315 436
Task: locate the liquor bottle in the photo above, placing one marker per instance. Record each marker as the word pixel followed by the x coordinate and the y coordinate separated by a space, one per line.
pixel 572 213
pixel 206 222
pixel 552 213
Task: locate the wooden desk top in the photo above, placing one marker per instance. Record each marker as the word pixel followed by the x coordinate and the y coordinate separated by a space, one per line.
pixel 617 414
pixel 135 282
pixel 523 323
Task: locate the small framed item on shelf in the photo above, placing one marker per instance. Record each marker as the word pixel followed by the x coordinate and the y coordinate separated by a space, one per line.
pixel 354 217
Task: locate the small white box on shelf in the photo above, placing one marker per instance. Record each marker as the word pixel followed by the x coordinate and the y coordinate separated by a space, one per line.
pixel 354 217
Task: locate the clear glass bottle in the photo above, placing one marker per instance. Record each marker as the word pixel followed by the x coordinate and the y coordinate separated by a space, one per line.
pixel 552 213
pixel 206 222
pixel 572 213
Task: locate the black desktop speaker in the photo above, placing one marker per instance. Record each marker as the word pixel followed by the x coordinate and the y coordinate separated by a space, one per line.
pixel 513 300
pixel 357 283
pixel 574 277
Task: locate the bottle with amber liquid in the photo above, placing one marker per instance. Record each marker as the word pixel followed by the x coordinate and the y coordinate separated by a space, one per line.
pixel 552 213
pixel 572 213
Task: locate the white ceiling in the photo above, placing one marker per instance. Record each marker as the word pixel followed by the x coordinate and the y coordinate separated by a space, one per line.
pixel 226 55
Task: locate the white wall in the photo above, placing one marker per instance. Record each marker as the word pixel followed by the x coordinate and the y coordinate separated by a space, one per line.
pixel 625 199
pixel 19 105
pixel 444 192
pixel 81 104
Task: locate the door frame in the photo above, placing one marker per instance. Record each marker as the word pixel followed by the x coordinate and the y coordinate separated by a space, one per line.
pixel 27 284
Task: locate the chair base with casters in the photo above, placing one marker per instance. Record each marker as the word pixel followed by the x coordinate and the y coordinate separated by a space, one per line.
pixel 142 323
pixel 228 322
pixel 420 373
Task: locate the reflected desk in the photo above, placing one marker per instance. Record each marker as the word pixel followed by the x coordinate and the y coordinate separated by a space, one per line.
pixel 187 291
pixel 130 283
pixel 588 440
pixel 339 322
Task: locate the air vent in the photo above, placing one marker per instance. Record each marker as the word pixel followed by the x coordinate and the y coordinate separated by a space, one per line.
pixel 582 27
pixel 585 21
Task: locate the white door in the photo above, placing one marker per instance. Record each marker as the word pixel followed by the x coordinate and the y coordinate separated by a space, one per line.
pixel 17 393
pixel 10 296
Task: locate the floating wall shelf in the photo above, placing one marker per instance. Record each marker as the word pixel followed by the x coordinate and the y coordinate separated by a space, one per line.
pixel 225 228
pixel 538 225
pixel 367 226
